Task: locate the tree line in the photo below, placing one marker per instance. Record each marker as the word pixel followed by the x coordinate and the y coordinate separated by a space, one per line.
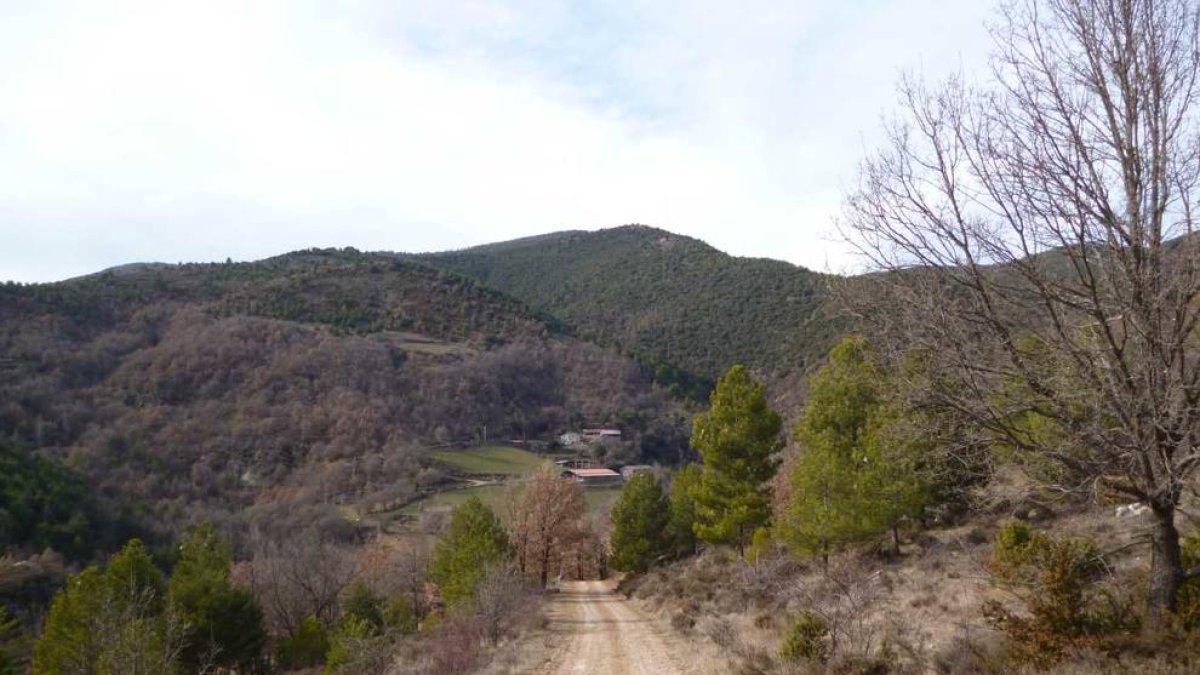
pixel 860 472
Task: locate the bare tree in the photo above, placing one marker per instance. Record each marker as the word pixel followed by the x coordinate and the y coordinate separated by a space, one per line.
pixel 390 568
pixel 503 600
pixel 1039 234
pixel 298 578
pixel 546 519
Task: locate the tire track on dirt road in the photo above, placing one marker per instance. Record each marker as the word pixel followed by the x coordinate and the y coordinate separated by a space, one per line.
pixel 599 631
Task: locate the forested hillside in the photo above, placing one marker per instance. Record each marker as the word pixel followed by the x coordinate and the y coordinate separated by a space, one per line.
pixel 268 391
pixel 679 305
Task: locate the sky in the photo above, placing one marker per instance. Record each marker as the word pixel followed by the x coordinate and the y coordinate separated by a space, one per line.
pixel 199 131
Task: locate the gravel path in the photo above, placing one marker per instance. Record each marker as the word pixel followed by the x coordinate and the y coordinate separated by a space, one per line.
pixel 598 631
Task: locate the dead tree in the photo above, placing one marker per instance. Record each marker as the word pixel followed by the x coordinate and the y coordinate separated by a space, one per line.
pixel 300 577
pixel 1037 237
pixel 548 517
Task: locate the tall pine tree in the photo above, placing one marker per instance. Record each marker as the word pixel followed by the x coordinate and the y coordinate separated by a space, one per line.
pixel 738 439
pixel 855 477
pixel 639 519
pixel 111 621
pixel 681 532
pixel 475 541
pixel 224 622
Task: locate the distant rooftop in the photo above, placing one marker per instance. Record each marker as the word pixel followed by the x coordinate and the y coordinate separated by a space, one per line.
pixel 602 432
pixel 593 473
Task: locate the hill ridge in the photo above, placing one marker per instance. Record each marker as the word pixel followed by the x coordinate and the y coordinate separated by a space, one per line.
pixel 681 306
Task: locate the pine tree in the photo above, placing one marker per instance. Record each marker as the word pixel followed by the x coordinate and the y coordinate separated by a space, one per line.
pixel 855 479
pixel 111 621
pixel 68 643
pixel 738 439
pixel 133 580
pixel 14 645
pixel 681 533
pixel 474 541
pixel 224 622
pixel 639 519
pixel 365 605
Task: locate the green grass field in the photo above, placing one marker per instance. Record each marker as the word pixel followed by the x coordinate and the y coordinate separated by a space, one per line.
pixel 506 461
pixel 493 496
pixel 493 459
pixel 599 500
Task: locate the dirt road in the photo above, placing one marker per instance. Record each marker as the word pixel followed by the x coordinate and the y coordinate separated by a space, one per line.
pixel 595 630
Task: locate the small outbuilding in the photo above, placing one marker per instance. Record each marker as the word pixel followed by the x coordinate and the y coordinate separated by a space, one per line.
pixel 593 476
pixel 602 435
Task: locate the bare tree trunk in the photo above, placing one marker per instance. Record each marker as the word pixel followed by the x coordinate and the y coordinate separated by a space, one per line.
pixel 1166 566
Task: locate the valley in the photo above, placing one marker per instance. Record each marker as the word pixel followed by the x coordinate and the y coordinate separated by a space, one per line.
pixel 491 442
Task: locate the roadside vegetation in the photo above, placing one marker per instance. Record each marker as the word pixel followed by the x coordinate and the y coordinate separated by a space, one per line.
pixel 993 476
pixel 285 466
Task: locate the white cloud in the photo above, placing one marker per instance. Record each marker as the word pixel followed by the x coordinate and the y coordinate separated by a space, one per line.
pixel 193 131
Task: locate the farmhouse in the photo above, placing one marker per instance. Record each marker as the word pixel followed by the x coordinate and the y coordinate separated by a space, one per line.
pixel 586 438
pixel 592 476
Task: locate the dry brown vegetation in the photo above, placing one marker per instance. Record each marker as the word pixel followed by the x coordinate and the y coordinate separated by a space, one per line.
pixel 271 392
pixel 920 612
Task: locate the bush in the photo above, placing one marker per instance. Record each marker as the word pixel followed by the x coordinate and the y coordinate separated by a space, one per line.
pixel 683 621
pixel 1188 608
pixel 805 640
pixel 456 645
pixel 1014 544
pixel 305 648
pixel 400 616
pixel 503 600
pixel 721 631
pixel 977 536
pixel 1059 583
pixel 347 641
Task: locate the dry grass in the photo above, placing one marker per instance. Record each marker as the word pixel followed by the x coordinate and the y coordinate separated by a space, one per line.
pixel 920 612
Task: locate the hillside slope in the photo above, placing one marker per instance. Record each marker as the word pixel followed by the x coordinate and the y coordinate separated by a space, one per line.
pixel 675 302
pixel 197 391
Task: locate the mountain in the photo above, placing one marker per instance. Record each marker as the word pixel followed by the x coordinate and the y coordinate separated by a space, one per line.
pixel 674 302
pixel 270 392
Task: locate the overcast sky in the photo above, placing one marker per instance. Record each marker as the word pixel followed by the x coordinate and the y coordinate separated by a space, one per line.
pixel 192 131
